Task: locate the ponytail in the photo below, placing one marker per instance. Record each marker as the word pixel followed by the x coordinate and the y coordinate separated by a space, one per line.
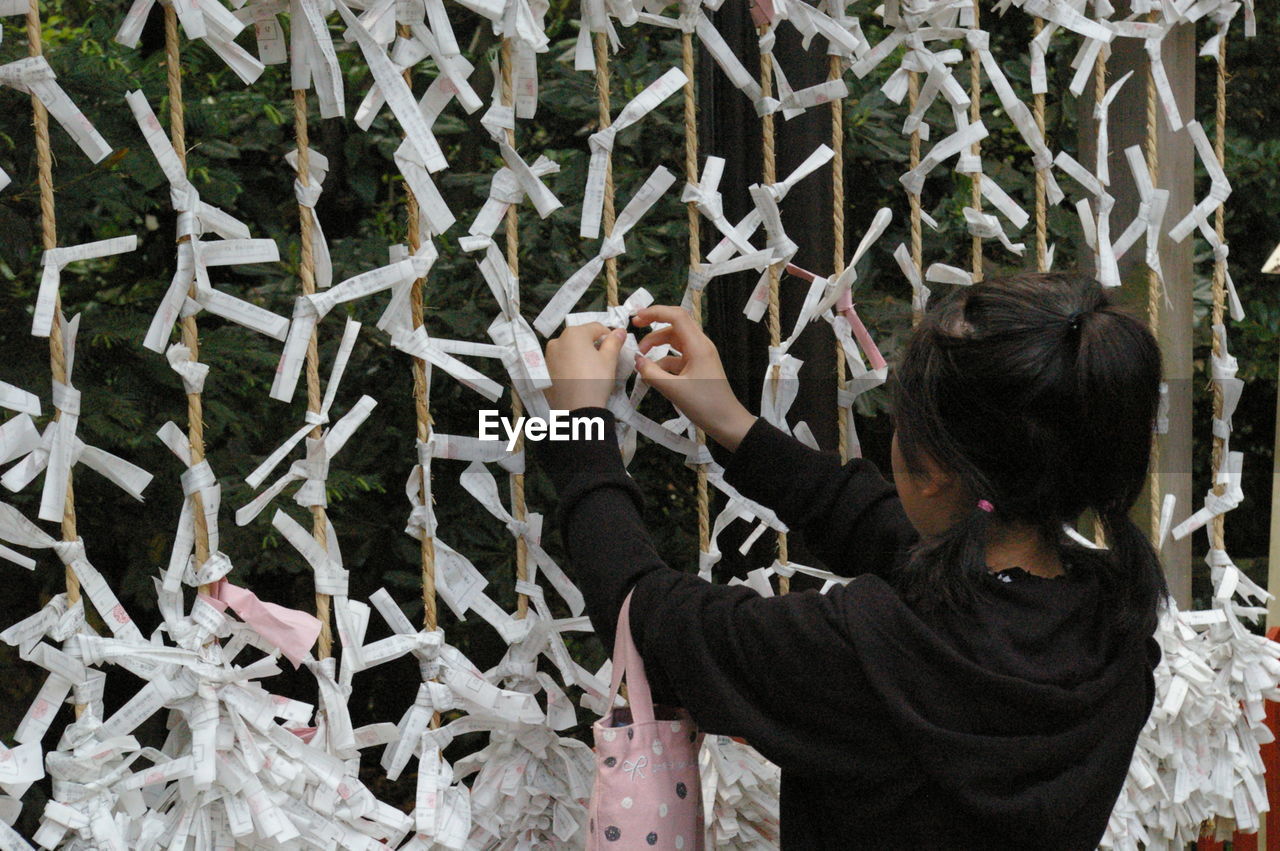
pixel 1133 576
pixel 928 580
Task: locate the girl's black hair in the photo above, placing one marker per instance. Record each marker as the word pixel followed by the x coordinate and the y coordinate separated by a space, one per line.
pixel 1040 394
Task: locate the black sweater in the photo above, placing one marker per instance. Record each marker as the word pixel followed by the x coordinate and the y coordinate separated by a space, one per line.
pixel 1009 727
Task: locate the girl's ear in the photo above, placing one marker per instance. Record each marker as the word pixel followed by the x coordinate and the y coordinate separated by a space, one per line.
pixel 938 480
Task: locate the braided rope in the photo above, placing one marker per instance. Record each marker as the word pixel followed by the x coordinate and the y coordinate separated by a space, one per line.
pixel 975 115
pixel 1042 206
pixel 1219 279
pixel 421 410
pixel 703 496
pixel 48 242
pixel 190 332
pixel 835 71
pixel 1099 92
pixel 917 236
pixel 518 506
pixel 770 176
pixel 601 44
pixel 307 275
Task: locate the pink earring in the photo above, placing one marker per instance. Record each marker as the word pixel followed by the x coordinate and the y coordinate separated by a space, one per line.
pixel 986 506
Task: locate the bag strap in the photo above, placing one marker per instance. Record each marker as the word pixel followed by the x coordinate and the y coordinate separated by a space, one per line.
pixel 626 660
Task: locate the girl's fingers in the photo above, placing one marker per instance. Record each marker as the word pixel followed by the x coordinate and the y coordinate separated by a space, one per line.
pixel 651 372
pixel 686 334
pixel 590 331
pixel 674 364
pixel 655 338
pixel 676 316
pixel 612 343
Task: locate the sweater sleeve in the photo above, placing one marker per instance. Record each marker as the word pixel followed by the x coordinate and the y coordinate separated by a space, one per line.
pixel 599 517
pixel 778 672
pixel 850 516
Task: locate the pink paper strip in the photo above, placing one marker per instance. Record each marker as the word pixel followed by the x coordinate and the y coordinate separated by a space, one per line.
pixel 860 333
pixel 292 631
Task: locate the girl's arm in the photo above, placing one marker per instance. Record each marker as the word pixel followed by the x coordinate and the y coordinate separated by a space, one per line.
pixel 774 671
pixel 850 517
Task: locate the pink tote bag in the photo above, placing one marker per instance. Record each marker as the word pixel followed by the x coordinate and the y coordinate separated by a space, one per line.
pixel 647 792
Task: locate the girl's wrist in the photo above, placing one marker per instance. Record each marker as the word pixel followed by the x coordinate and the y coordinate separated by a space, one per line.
pixel 730 430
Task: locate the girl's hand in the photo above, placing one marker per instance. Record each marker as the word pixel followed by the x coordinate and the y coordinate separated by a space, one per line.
pixel 694 381
pixel 583 374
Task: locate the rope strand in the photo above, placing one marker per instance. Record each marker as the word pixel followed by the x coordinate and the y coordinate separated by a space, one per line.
pixel 601 43
pixel 975 115
pixel 917 237
pixel 835 71
pixel 307 277
pixel 770 176
pixel 190 331
pixel 1099 92
pixel 1219 280
pixel 702 495
pixel 518 506
pixel 1042 207
pixel 421 406
pixel 48 242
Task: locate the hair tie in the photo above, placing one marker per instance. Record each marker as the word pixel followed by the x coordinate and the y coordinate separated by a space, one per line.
pixel 986 506
pixel 1074 320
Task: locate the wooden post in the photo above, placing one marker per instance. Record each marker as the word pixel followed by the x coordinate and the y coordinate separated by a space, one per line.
pixel 1177 174
pixel 729 127
pixel 1273 551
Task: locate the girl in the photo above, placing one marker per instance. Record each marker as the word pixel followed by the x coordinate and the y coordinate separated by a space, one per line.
pixel 982 680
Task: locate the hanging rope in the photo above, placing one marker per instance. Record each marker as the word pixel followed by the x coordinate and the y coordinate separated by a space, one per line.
pixel 975 115
pixel 601 43
pixel 1042 207
pixel 835 71
pixel 1099 93
pixel 48 242
pixel 307 274
pixel 1153 290
pixel 917 240
pixel 421 407
pixel 421 398
pixel 1219 280
pixel 190 332
pixel 1218 524
pixel 770 176
pixel 518 507
pixel 695 257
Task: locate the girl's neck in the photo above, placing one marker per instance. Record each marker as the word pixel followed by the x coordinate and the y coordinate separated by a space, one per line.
pixel 1022 547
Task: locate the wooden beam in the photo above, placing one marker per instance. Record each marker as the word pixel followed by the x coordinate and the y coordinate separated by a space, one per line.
pixel 1176 154
pixel 1273 551
pixel 730 128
